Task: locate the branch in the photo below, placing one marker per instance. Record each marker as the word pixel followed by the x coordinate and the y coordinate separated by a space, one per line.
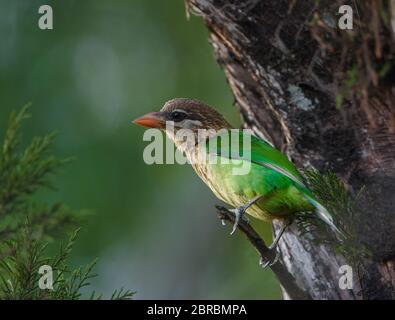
pixel 287 281
pixel 286 85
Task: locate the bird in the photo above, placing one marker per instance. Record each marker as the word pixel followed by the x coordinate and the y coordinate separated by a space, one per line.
pixel 272 188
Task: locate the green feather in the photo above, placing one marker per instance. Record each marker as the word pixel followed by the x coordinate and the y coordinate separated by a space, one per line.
pixel 271 175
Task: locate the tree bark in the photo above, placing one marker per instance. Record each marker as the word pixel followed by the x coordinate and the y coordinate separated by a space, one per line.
pixel 285 84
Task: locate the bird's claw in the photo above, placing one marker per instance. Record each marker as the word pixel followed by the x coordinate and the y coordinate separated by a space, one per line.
pixel 239 214
pixel 239 211
pixel 264 263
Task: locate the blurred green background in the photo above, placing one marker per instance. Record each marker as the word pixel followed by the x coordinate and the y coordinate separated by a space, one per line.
pixel 154 228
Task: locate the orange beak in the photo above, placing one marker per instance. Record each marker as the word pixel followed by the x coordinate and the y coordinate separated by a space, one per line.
pixel 151 120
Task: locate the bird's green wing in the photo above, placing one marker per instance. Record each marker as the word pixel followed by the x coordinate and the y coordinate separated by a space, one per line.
pixel 239 145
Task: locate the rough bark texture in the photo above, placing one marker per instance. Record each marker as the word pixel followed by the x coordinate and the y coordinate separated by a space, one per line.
pixel 287 281
pixel 283 83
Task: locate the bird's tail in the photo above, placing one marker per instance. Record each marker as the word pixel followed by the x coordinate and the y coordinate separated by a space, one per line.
pixel 324 215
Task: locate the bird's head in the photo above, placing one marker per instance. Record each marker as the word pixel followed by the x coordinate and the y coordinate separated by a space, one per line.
pixel 186 115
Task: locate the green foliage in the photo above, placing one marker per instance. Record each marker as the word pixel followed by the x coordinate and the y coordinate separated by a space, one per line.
pixel 330 191
pixel 27 227
pixel 22 173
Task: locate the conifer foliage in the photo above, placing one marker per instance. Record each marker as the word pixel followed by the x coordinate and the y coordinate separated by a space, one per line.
pixel 27 227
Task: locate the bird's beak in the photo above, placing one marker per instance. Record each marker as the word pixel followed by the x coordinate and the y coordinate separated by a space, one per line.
pixel 151 120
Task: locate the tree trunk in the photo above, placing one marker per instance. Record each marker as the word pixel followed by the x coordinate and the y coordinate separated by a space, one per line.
pixel 286 63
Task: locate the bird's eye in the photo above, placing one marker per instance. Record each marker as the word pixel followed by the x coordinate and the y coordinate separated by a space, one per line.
pixel 177 116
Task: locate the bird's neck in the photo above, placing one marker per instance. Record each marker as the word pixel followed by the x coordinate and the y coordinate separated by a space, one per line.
pixel 197 155
pixel 193 140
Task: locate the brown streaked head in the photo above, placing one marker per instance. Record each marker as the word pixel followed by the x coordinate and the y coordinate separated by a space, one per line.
pixel 185 114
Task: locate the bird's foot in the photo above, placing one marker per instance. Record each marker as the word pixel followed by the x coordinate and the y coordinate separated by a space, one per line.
pixel 264 263
pixel 239 214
